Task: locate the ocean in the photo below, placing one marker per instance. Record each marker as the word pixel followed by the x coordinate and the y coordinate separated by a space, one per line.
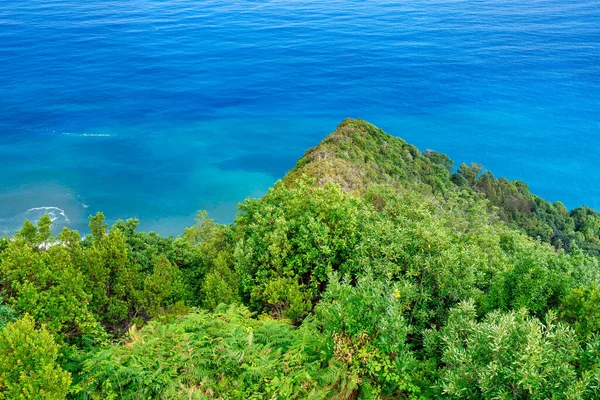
pixel 155 109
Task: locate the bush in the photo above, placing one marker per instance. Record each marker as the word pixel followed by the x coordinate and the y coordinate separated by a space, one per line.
pixel 28 363
pixel 508 355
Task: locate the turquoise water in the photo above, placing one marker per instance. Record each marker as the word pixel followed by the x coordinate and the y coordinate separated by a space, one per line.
pixel 155 109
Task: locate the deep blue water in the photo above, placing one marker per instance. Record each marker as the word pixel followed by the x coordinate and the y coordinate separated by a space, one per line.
pixel 155 109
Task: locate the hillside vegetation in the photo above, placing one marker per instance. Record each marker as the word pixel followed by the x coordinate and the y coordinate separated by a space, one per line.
pixel 371 271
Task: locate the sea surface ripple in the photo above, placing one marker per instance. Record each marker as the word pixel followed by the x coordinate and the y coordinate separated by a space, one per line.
pixel 154 109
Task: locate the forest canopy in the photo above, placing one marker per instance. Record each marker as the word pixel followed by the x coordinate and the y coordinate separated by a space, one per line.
pixel 370 271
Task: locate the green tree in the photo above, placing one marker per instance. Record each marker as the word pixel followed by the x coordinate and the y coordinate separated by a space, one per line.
pixel 580 308
pixel 28 363
pixel 295 238
pixel 162 288
pixel 537 280
pixel 113 285
pixel 45 282
pixel 507 356
pixel 367 335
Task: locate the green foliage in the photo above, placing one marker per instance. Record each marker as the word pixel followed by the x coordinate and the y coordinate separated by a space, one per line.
pixel 226 354
pixel 439 158
pixel 142 247
pixel 220 285
pixel 112 284
pixel 441 256
pixel 7 314
pixel 129 274
pixel 162 287
pixel 367 334
pixel 551 223
pixel 370 272
pixel 537 280
pixel 589 360
pixel 43 279
pixel 587 221
pixel 28 363
pixel 580 308
pixel 211 276
pixel 295 238
pixel 507 356
pixel 358 154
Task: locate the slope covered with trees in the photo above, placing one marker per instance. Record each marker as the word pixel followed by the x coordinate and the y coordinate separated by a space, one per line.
pixel 371 270
pixel 359 154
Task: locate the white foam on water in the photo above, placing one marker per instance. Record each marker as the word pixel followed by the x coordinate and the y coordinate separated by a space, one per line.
pixel 87 134
pixel 54 213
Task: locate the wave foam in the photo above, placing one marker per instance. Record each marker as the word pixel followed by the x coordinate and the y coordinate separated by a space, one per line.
pixel 87 134
pixel 54 213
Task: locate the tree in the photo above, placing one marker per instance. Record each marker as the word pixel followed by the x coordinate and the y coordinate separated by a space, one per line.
pixel 580 308
pixel 162 288
pixel 295 238
pixel 440 158
pixel 367 334
pixel 112 285
pixel 47 283
pixel 28 363
pixel 508 355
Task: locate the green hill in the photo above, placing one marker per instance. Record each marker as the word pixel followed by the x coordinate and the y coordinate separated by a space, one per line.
pixel 359 154
pixel 371 271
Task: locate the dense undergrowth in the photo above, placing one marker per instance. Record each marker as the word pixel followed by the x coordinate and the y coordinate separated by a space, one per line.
pixel 371 271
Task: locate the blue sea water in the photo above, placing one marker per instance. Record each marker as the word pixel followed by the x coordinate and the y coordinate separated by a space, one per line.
pixel 157 108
